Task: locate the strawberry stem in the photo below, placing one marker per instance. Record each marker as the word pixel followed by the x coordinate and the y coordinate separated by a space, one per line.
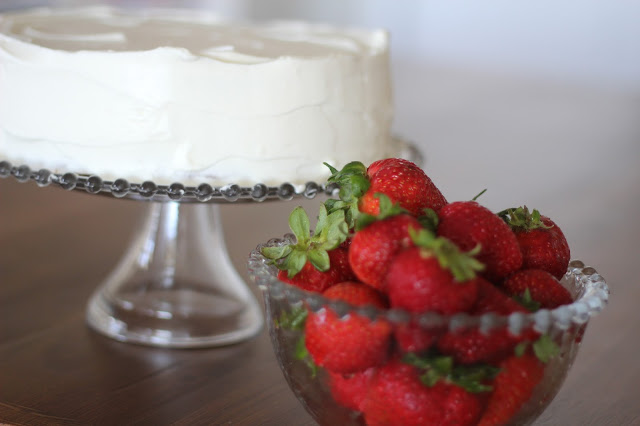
pixel 479 195
pixel 520 218
pixel 436 367
pixel 331 231
pixel 463 266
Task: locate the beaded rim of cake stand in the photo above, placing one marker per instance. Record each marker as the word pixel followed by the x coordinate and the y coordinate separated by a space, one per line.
pixel 149 190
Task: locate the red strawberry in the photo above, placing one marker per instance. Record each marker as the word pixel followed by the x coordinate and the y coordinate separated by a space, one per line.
pixel 311 279
pixel 543 288
pixel 468 224
pixel 412 337
pixel 404 183
pixel 377 165
pixel 542 242
pixel 397 396
pixel 491 299
pixel 350 390
pixel 433 276
pixel 470 345
pixel 513 386
pixel 373 247
pixel 351 344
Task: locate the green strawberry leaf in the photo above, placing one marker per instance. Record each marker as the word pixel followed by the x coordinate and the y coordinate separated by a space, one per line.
pixel 473 378
pixel 275 253
pixel 319 258
pixel 293 319
pixel 521 218
pixel 363 221
pixel 321 225
pixel 299 224
pixel 520 349
pixel 352 180
pixel 387 209
pixel 332 169
pixel 429 220
pixel 353 183
pixel 302 354
pixel 527 301
pixel 544 348
pixel 436 367
pixel 331 231
pixel 350 210
pixel 334 230
pixel 463 266
pixel 294 263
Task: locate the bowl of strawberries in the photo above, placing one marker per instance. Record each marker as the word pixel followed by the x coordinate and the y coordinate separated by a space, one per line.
pixel 402 308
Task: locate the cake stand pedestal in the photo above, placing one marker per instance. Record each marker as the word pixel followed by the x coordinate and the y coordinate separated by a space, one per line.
pixel 175 286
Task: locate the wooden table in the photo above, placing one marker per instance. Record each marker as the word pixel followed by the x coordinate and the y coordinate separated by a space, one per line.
pixel 56 247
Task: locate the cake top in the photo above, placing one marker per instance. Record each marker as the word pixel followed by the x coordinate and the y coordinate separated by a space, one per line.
pixel 201 34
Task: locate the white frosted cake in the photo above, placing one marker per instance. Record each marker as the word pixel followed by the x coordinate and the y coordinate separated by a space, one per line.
pixel 184 96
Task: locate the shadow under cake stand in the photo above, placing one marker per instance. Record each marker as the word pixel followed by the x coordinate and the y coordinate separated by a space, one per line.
pixel 175 286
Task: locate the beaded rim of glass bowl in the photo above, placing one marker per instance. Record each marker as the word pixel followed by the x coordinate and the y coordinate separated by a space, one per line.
pixel 589 288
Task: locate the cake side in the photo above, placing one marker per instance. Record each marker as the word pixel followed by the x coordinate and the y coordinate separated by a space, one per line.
pixel 169 97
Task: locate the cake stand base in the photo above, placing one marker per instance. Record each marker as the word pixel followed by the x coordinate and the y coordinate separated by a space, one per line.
pixel 175 285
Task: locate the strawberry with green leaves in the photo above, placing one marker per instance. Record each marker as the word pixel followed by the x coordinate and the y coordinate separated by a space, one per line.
pixel 539 286
pixel 469 225
pixel 352 344
pixel 542 242
pixel 314 263
pixel 432 276
pixel 423 392
pixel 404 183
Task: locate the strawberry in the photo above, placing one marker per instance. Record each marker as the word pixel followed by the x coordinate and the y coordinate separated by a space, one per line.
pixel 377 165
pixel 513 386
pixel 432 276
pixel 542 243
pixel 468 224
pixel 373 248
pixel 350 390
pixel 492 299
pixel 404 183
pixel 541 286
pixel 316 262
pixel 412 337
pixel 398 396
pixel 351 344
pixel 471 345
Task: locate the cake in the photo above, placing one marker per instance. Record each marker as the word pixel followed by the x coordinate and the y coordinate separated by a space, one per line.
pixel 187 96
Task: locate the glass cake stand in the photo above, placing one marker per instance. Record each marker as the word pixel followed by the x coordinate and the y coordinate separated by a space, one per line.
pixel 175 286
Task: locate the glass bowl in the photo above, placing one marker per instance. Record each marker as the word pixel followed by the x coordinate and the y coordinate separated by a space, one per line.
pixel 346 399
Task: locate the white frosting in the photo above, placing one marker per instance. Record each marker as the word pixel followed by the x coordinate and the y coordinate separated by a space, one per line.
pixel 185 96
